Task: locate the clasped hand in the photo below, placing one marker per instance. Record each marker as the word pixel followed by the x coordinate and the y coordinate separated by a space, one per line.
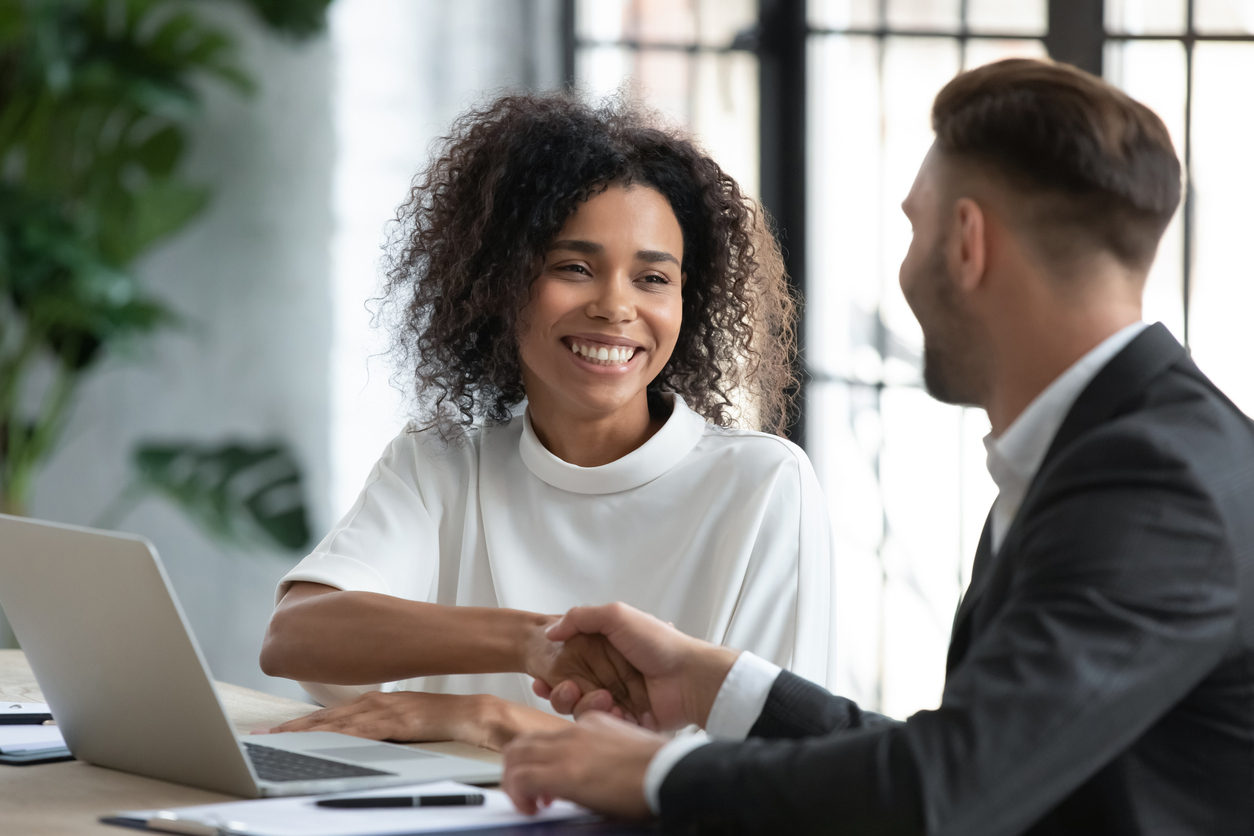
pixel 642 670
pixel 617 659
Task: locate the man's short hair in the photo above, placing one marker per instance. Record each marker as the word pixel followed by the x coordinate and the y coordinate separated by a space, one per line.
pixel 1097 167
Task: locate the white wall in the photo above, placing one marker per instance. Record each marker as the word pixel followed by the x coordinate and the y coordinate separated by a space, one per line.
pixel 404 71
pixel 273 277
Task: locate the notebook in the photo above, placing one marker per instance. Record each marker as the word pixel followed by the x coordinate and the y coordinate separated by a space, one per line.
pixel 302 817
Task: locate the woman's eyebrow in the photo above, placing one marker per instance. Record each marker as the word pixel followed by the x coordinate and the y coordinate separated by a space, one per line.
pixel 656 256
pixel 589 247
pixel 593 248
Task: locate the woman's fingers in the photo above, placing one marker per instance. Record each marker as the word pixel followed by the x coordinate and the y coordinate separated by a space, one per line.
pixel 310 722
pixel 595 701
pixel 636 692
pixel 565 695
pixel 396 716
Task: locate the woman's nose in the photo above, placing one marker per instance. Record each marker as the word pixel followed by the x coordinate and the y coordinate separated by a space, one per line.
pixel 613 300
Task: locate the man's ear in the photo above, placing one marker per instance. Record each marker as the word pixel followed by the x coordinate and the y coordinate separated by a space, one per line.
pixel 967 244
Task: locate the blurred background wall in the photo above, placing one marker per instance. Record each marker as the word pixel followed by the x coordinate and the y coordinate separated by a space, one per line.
pixel 273 278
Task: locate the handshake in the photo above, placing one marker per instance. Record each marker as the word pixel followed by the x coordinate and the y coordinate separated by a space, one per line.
pixel 625 675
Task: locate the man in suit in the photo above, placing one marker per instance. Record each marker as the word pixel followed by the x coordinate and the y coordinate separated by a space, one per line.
pixel 1100 676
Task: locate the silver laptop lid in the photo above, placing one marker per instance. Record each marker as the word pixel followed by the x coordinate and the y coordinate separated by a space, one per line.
pixel 114 656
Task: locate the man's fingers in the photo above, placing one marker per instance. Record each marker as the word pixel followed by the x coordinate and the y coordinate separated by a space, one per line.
pixel 528 787
pixel 529 777
pixel 541 689
pixel 584 620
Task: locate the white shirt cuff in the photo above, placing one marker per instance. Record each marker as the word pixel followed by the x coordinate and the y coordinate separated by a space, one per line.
pixel 737 706
pixel 662 763
pixel 741 698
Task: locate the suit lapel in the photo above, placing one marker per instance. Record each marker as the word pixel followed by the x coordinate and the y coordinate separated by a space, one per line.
pixel 1126 375
pixel 980 571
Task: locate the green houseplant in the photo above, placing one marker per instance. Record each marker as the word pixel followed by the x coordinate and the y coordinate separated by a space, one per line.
pixel 96 101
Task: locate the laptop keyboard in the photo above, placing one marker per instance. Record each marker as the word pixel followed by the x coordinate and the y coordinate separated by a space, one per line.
pixel 280 765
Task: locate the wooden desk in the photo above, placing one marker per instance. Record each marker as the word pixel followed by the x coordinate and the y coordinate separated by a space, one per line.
pixel 65 799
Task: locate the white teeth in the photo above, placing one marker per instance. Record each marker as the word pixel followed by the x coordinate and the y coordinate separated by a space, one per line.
pixel 603 356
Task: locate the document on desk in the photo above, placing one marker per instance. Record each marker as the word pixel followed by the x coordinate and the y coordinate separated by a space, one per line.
pixel 29 744
pixel 302 817
pixel 15 739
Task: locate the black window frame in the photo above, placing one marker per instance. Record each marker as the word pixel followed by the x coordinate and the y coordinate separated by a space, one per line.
pixel 1075 33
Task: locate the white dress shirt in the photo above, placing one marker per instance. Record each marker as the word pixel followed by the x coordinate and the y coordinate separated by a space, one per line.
pixel 722 532
pixel 1013 459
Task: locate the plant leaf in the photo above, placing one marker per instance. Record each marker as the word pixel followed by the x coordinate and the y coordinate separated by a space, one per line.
pixel 237 493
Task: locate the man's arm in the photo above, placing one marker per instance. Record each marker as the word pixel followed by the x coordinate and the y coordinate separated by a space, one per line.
pixel 1122 600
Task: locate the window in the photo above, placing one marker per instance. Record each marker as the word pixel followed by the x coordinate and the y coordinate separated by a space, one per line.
pixel 681 59
pixel 842 121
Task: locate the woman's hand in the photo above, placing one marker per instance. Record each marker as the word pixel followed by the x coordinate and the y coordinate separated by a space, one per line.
pixel 414 716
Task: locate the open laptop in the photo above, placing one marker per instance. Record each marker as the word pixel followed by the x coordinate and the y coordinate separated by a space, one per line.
pixel 130 690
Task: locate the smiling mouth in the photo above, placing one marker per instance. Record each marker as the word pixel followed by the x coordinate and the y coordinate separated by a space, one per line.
pixel 603 355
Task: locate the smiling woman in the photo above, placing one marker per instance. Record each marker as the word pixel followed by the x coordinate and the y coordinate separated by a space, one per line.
pixel 585 299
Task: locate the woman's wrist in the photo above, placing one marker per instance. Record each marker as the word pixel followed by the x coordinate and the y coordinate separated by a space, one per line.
pixel 533 650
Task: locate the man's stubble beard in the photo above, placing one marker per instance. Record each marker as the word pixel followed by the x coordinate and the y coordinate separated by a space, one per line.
pixel 952 367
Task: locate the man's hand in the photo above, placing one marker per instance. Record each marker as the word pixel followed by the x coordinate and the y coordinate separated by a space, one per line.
pixel 681 675
pixel 598 762
pixel 480 719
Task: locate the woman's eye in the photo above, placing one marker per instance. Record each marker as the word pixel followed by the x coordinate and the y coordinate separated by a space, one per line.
pixel 655 279
pixel 575 268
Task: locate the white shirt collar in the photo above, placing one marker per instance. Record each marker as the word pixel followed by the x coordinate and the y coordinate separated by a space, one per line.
pixel 1015 456
pixel 681 432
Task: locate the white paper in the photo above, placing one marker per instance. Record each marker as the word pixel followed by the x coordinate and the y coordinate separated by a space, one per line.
pixel 26 738
pixel 301 817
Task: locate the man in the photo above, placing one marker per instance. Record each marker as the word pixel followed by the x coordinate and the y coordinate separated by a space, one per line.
pixel 1100 676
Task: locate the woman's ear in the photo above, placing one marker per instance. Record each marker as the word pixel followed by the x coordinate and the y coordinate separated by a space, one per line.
pixel 968 245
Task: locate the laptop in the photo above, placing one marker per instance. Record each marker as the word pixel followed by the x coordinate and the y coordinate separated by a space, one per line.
pixel 118 665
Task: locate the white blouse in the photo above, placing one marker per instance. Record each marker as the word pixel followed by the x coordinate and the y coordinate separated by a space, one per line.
pixel 723 532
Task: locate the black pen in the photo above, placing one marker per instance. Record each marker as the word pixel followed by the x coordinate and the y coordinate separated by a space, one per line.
pixel 467 800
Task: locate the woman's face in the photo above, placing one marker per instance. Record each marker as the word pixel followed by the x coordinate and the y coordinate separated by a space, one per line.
pixel 605 310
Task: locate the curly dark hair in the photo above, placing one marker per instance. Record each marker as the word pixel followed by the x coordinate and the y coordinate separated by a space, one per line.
pixel 466 244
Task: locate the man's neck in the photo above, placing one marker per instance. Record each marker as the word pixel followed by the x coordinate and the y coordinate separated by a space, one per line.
pixel 1037 350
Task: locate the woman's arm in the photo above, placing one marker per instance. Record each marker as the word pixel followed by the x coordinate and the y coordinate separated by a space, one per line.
pixel 322 634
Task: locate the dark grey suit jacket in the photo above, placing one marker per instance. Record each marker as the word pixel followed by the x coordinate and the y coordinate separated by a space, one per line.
pixel 1100 675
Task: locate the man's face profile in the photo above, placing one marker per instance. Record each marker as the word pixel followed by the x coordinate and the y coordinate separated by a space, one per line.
pixel 949 360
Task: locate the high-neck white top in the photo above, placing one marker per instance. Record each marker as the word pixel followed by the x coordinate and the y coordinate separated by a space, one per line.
pixel 725 533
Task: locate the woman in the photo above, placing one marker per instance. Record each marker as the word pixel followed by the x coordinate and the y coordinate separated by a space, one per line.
pixel 582 298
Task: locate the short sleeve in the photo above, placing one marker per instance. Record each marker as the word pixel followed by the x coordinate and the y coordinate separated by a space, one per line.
pixel 388 542
pixel 784 609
